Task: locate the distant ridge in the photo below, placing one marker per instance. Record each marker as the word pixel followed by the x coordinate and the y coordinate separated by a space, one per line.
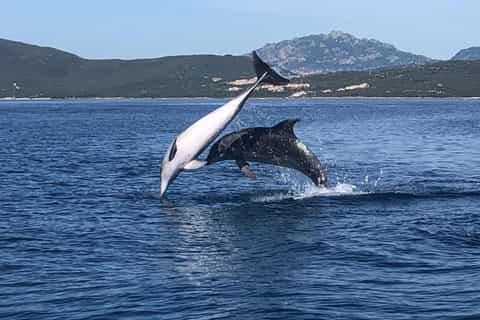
pixel 336 51
pixel 472 53
pixel 48 72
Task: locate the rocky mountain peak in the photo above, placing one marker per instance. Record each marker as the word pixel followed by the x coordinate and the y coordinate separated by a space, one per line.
pixel 335 51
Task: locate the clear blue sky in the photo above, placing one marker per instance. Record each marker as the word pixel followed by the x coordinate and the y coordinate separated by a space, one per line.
pixel 131 29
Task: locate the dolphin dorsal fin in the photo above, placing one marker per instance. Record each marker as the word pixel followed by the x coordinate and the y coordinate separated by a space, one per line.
pixel 286 125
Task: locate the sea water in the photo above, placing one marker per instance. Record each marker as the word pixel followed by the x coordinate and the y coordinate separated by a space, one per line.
pixel 84 234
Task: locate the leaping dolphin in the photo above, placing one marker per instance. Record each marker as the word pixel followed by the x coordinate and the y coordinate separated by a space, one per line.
pixel 185 148
pixel 277 145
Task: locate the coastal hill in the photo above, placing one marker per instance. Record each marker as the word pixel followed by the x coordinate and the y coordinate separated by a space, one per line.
pixel 441 79
pixel 48 72
pixel 336 51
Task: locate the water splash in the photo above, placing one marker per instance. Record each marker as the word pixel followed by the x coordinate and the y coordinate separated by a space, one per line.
pixel 341 189
pixel 300 187
pixel 310 191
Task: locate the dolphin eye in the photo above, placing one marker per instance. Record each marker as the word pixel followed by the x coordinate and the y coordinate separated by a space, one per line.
pixel 173 151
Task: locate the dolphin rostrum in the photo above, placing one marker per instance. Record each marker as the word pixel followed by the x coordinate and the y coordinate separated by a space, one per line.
pixel 277 145
pixel 185 148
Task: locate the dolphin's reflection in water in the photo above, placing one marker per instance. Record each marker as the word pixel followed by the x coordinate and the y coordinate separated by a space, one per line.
pixel 240 243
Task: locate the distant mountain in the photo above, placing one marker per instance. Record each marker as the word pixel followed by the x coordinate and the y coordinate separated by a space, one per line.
pixel 48 72
pixel 472 53
pixel 336 51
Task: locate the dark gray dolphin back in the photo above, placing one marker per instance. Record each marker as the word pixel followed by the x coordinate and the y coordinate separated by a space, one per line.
pixel 277 145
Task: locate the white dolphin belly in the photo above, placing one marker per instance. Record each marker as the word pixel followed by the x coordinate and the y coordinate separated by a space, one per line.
pixel 199 135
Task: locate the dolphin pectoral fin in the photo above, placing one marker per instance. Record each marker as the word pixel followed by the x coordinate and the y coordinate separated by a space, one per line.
pixel 195 164
pixel 245 168
pixel 247 172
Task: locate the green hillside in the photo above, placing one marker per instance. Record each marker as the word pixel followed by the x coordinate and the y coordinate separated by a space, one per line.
pixel 48 72
pixel 442 79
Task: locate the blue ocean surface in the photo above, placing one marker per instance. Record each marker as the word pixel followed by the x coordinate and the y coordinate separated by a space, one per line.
pixel 84 234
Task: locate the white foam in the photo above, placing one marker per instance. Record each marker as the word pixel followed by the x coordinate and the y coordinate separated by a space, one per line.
pixel 341 189
pixel 273 197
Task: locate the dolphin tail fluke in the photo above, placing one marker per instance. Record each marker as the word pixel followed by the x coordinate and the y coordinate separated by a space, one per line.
pixel 265 73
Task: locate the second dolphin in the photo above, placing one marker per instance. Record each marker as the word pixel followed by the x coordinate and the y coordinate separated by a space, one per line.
pixel 277 145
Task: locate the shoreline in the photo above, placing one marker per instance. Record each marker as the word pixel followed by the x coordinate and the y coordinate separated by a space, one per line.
pixel 219 98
